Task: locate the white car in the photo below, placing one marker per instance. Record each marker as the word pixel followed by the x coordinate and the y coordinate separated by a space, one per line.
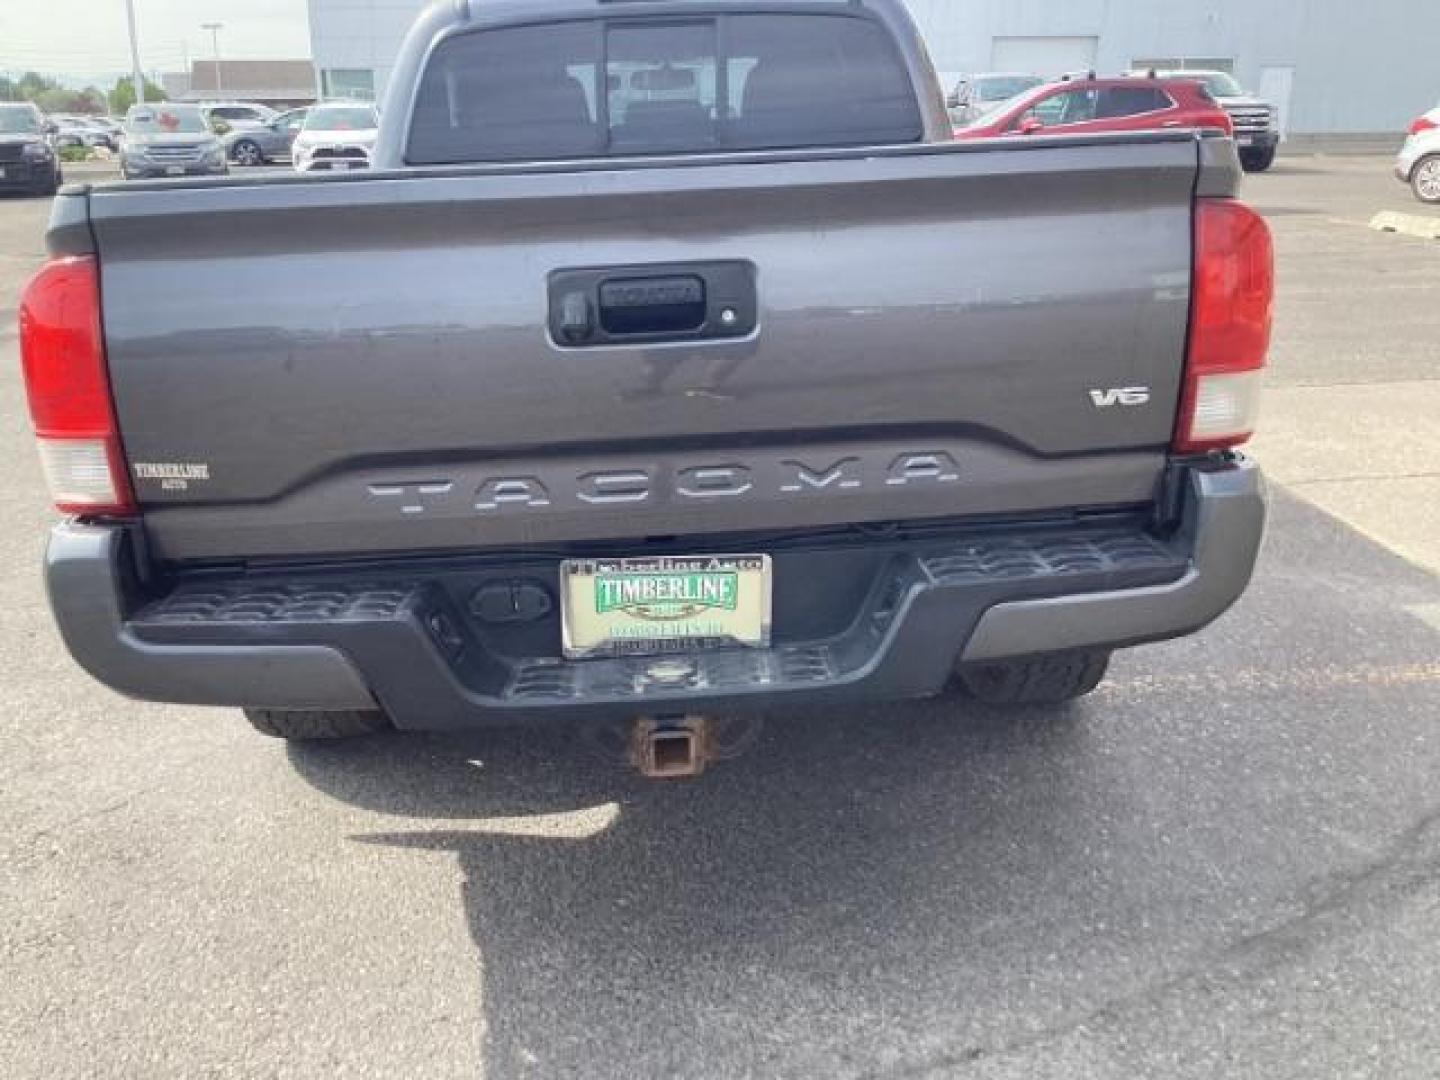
pixel 336 138
pixel 1419 161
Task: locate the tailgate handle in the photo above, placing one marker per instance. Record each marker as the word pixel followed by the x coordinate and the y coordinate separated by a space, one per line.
pixel 658 303
pixel 652 305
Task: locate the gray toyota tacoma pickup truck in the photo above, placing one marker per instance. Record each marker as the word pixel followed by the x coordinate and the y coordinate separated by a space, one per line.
pixel 671 360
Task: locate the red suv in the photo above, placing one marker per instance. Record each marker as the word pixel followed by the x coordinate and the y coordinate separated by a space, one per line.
pixel 1078 106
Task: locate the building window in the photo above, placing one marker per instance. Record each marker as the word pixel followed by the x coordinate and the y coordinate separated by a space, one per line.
pixel 1184 63
pixel 356 83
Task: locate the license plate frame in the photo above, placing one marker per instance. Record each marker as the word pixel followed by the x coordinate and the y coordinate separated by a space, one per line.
pixel 608 604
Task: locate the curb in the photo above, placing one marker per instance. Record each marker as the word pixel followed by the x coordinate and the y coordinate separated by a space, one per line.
pixel 1418 225
pixel 1341 145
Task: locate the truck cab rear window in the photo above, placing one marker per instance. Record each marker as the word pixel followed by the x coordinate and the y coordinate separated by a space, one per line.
pixel 620 87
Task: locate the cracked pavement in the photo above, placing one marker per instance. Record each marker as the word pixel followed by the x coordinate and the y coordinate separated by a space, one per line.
pixel 1225 863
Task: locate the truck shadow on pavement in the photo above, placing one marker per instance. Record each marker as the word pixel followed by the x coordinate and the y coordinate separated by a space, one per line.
pixel 924 886
pixel 686 929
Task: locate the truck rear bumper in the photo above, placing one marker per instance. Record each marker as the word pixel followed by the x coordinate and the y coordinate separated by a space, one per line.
pixel 409 643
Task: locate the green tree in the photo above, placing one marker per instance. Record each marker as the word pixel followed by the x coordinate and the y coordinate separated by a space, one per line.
pixel 92 100
pixel 123 96
pixel 32 84
pixel 9 89
pixel 55 100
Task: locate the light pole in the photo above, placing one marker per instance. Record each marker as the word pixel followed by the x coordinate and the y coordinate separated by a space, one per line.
pixel 136 72
pixel 215 28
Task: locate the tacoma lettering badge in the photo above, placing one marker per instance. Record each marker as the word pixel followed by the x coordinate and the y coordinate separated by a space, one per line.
pixel 547 487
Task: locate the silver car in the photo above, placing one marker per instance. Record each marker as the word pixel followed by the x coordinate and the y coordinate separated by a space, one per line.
pixel 239 114
pixel 976 95
pixel 164 139
pixel 267 143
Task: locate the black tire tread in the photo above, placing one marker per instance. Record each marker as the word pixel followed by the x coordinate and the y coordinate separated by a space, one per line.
pixel 1051 679
pixel 304 725
pixel 1256 161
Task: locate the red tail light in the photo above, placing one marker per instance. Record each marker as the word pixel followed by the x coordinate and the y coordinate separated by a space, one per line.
pixel 1229 326
pixel 1423 124
pixel 69 390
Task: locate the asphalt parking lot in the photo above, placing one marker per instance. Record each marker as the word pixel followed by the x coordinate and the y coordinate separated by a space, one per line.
pixel 1226 863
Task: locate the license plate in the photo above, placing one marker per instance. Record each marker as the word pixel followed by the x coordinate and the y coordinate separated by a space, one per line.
pixel 638 607
pixel 1244 140
pixel 174 170
pixel 2 174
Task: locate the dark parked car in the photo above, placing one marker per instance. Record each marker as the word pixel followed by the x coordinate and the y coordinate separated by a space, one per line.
pixel 1257 122
pixel 109 131
pixel 28 160
pixel 268 142
pixel 81 131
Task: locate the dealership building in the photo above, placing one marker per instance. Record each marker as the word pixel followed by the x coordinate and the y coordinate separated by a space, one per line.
pixel 1333 66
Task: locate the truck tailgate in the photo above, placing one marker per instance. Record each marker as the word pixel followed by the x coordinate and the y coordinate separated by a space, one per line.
pixel 365 365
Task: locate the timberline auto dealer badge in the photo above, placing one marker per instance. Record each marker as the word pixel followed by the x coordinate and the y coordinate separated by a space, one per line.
pixel 667 597
pixel 173 475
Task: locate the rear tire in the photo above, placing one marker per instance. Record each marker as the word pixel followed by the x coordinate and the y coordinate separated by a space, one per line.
pixel 1257 160
pixel 1051 679
pixel 1425 179
pixel 305 726
pixel 247 152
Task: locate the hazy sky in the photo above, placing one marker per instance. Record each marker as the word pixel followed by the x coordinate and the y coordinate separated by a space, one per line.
pixel 81 36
